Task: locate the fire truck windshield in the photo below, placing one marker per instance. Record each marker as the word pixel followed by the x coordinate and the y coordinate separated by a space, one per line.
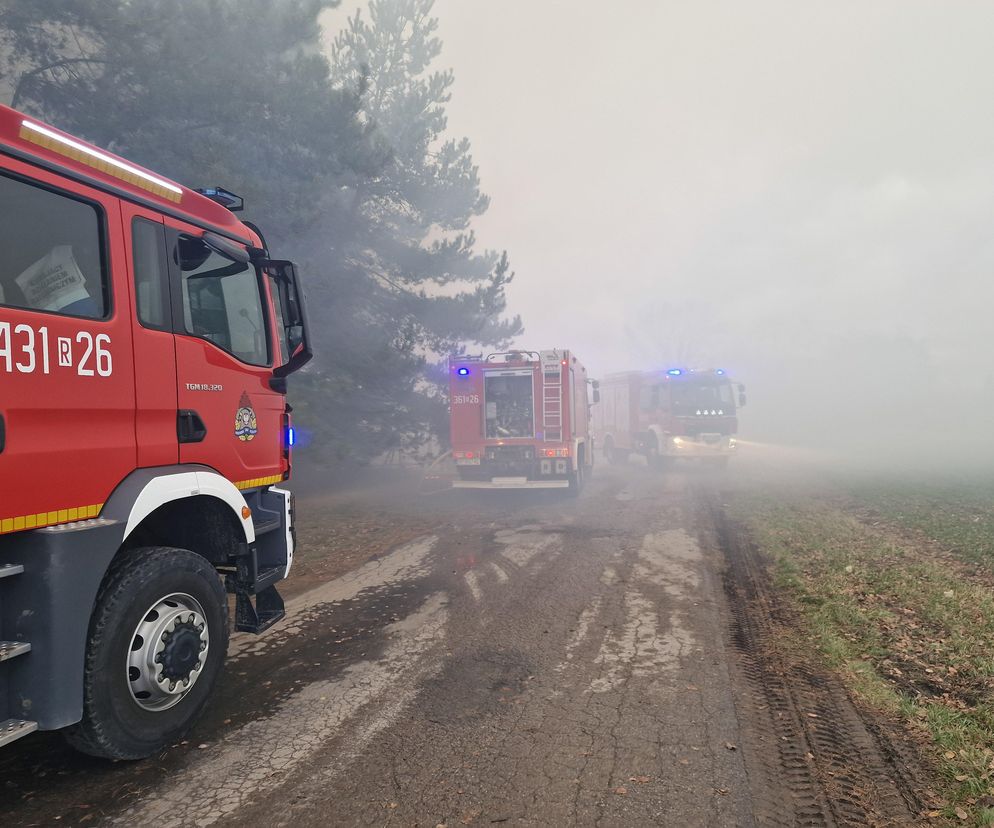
pixel 222 302
pixel 692 396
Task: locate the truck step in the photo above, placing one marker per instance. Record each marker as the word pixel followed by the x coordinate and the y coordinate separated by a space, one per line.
pixel 12 649
pixel 6 570
pixel 263 526
pixel 13 729
pixel 267 577
pixel 255 618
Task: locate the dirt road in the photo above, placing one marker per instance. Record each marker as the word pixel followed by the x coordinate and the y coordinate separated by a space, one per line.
pixel 606 660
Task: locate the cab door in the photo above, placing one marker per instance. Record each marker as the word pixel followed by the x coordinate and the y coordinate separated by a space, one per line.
pixel 229 417
pixel 155 351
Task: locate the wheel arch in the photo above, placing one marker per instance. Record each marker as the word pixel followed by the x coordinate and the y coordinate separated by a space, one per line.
pixel 146 492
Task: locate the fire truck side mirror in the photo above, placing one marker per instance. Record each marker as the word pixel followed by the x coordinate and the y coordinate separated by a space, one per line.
pixel 294 315
pixel 597 395
pixel 742 395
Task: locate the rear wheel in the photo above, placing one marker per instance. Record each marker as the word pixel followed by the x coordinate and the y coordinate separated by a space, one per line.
pixel 576 481
pixel 157 642
pixel 652 456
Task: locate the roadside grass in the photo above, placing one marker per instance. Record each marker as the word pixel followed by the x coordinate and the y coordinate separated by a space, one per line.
pixel 907 626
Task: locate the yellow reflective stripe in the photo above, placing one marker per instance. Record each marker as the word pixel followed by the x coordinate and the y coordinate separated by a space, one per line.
pixel 93 160
pixel 17 524
pixel 256 482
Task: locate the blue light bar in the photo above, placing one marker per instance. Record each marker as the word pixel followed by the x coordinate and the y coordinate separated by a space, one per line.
pixel 291 437
pixel 720 372
pixel 463 371
pixel 675 372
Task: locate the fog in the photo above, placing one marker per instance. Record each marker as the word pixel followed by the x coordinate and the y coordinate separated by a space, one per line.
pixel 798 193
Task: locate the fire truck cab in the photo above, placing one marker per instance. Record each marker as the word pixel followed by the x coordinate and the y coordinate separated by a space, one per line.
pixel 145 340
pixel 667 415
pixel 521 420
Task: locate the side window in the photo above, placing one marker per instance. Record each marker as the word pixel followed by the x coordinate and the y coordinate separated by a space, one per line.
pixel 222 302
pixel 148 248
pixel 53 258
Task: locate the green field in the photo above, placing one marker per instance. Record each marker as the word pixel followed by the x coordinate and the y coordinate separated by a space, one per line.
pixel 895 579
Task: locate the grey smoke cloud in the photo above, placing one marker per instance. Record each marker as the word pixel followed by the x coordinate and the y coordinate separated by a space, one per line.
pixel 801 193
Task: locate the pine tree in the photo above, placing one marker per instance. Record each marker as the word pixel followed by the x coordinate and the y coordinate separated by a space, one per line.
pixel 345 165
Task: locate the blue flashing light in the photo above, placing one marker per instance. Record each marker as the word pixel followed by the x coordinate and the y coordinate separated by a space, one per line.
pixel 675 372
pixel 463 371
pixel 291 437
pixel 720 372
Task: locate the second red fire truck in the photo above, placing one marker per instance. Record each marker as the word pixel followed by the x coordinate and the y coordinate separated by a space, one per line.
pixel 671 414
pixel 145 340
pixel 521 420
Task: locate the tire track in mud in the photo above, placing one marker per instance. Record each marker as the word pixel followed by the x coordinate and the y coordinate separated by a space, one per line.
pixel 812 758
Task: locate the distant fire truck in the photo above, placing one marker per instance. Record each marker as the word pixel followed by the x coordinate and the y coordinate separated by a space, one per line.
pixel 521 420
pixel 145 341
pixel 677 413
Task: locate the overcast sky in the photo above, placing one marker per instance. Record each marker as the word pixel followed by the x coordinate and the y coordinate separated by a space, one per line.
pixel 801 193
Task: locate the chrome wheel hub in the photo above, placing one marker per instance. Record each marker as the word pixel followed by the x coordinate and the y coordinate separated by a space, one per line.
pixel 168 652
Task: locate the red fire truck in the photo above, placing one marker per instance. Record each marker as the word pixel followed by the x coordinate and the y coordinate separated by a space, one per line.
pixel 145 340
pixel 664 415
pixel 521 420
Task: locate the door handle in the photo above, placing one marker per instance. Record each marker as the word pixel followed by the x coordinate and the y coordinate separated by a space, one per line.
pixel 189 427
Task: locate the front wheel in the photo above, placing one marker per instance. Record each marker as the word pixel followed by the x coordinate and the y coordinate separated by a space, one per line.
pixel 157 643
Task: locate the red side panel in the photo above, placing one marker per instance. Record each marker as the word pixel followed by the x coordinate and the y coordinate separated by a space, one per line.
pixel 618 413
pixel 466 406
pixel 67 394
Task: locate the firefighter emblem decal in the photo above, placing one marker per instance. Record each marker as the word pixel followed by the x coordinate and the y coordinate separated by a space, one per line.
pixel 245 422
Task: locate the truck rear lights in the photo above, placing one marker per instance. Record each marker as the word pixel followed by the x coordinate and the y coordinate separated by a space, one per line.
pixel 563 452
pixel 466 458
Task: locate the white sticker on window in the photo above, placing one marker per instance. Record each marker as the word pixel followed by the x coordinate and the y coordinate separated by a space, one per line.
pixel 54 281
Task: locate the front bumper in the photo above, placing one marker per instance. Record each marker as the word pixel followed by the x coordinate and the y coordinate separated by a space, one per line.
pixel 510 483
pixel 700 446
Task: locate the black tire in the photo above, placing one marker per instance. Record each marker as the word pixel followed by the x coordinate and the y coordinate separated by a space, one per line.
pixel 653 459
pixel 576 481
pixel 610 454
pixel 114 724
